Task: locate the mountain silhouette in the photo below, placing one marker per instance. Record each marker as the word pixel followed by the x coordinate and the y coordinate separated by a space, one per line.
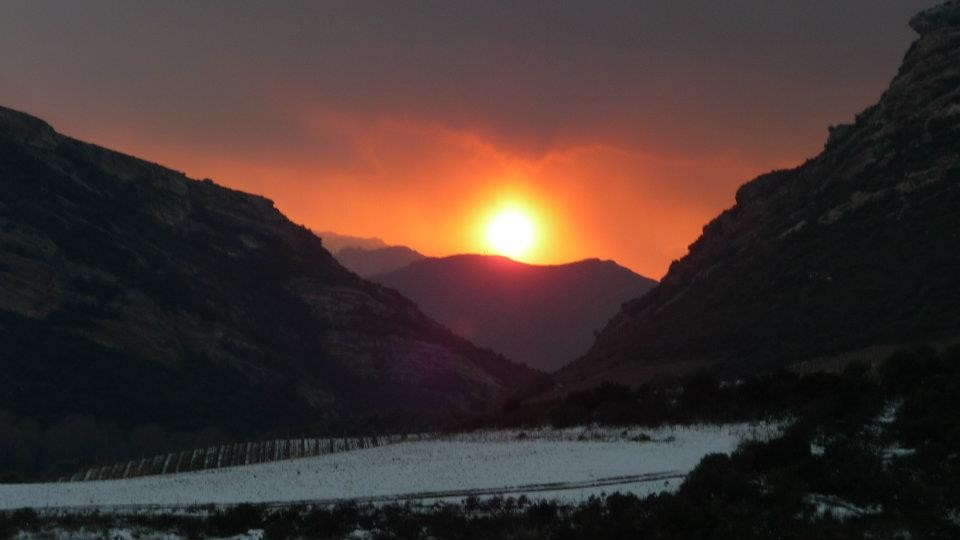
pixel 542 315
pixel 131 293
pixel 371 262
pixel 857 249
pixel 335 242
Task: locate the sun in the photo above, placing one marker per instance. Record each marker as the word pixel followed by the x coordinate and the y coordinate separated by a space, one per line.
pixel 510 233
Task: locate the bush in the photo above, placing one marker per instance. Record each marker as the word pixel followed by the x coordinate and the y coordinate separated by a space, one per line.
pixel 236 520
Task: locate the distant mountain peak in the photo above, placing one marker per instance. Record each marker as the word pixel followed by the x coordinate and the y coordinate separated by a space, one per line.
pixel 369 262
pixel 335 242
pixel 544 315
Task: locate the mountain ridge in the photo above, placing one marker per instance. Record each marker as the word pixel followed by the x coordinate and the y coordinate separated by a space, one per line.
pixel 368 262
pixel 543 315
pixel 785 274
pixel 131 292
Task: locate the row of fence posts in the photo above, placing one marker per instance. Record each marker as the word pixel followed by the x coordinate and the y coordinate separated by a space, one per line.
pixel 232 455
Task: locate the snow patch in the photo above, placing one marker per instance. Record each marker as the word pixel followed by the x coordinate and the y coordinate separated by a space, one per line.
pixel 896 452
pixel 493 462
pixel 838 508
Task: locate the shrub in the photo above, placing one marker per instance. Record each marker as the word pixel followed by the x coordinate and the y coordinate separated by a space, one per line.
pixel 236 520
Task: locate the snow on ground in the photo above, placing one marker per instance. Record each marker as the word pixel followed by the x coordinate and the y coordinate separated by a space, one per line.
pixel 838 508
pixel 891 453
pixel 503 462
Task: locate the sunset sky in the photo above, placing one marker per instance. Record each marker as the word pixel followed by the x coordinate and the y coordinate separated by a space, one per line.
pixel 620 128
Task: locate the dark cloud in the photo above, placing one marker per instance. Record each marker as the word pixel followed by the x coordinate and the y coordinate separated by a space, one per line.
pixel 536 73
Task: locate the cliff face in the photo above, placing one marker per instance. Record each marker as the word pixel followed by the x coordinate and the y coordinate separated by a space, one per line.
pixel 857 247
pixel 131 292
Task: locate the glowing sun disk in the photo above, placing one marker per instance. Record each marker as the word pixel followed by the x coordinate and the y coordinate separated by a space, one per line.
pixel 510 233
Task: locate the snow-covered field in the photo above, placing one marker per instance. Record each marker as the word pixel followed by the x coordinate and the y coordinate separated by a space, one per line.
pixel 566 464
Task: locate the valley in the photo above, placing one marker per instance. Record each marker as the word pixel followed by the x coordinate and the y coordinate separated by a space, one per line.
pixel 183 359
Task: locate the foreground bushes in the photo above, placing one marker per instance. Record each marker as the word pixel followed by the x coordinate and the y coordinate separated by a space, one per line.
pixel 763 490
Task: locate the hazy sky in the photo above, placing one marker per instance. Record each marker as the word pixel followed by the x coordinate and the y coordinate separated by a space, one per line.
pixel 622 126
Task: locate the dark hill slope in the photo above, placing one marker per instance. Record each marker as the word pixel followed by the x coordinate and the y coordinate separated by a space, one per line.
pixel 372 262
pixel 542 315
pixel 131 293
pixel 857 247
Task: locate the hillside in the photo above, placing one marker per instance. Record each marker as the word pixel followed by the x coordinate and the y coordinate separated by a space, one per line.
pixel 859 246
pixel 135 296
pixel 369 262
pixel 542 315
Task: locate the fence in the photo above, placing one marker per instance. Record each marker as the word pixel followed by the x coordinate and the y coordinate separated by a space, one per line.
pixel 234 455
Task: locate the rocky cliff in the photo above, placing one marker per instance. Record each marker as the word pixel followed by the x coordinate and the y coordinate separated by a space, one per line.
pixel 859 246
pixel 132 293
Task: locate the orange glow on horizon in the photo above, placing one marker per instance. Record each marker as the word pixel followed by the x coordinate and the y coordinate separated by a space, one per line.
pixel 619 145
pixel 437 190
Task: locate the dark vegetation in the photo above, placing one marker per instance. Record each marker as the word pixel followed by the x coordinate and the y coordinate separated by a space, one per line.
pixel 703 397
pixel 837 449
